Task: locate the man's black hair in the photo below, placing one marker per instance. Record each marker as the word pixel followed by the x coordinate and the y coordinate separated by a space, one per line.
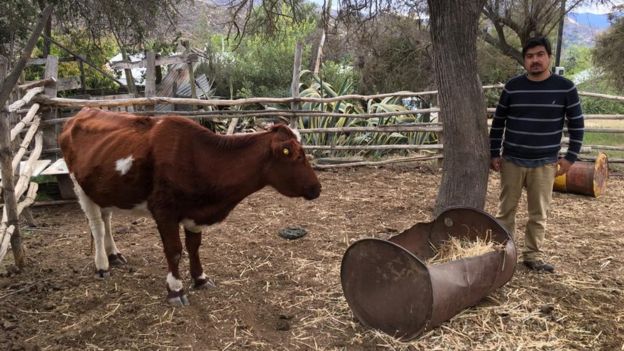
pixel 537 41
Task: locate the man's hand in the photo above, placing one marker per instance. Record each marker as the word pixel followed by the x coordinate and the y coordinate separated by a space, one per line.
pixel 495 164
pixel 563 166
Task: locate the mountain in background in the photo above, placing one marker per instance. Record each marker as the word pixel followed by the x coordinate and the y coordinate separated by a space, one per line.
pixel 600 22
pixel 583 28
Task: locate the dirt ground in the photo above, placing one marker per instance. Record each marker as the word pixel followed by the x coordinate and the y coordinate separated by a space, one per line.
pixel 277 294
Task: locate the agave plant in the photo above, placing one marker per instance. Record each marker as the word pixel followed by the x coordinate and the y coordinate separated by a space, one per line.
pixel 317 88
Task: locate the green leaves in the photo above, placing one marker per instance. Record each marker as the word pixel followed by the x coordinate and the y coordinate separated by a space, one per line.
pixel 319 89
pixel 258 64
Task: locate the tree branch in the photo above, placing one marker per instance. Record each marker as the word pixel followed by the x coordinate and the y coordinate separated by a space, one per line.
pixel 505 48
pixel 11 80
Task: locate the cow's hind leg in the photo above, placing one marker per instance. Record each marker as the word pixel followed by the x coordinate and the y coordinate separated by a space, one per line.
pixel 94 216
pixel 115 258
pixel 193 241
pixel 172 245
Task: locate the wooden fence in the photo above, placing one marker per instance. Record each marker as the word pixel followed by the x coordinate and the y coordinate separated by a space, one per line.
pixel 212 111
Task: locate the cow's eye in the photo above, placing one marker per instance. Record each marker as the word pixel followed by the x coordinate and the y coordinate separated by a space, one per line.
pixel 286 151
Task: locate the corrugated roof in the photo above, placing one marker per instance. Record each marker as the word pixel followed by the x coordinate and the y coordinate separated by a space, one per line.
pixel 178 77
pixel 202 88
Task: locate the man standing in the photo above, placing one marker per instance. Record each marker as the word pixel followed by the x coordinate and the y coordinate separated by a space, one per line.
pixel 527 126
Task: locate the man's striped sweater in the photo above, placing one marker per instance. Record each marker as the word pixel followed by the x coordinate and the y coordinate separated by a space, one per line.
pixel 529 120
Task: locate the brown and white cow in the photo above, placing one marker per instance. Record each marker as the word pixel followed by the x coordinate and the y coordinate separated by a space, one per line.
pixel 177 171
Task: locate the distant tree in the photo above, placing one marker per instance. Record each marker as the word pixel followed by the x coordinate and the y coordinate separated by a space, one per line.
pixel 516 21
pixel 134 25
pixel 392 53
pixel 494 67
pixel 17 17
pixel 96 54
pixel 576 59
pixel 607 54
pixel 259 64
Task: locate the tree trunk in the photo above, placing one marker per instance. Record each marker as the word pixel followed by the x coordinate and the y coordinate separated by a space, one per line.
pixel 47 30
pixel 454 25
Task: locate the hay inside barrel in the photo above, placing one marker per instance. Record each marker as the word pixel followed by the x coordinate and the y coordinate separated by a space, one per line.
pixel 457 248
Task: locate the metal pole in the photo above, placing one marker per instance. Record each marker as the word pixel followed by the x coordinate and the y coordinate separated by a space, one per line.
pixel 560 33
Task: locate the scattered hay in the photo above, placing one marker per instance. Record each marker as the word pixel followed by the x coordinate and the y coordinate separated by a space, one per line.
pixel 456 248
pixel 57 305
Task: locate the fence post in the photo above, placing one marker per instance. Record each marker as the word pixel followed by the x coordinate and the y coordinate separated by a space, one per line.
pixel 150 77
pixel 440 161
pixel 294 87
pixel 8 181
pixel 192 82
pixel 83 81
pixel 50 131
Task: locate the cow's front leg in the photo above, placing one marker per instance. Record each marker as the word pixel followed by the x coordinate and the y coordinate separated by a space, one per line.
pixel 193 241
pixel 170 235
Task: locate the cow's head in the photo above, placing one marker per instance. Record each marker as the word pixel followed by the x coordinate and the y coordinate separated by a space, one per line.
pixel 289 171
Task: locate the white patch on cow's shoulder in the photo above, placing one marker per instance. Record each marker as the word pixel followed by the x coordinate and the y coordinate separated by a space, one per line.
pixel 191 226
pixel 123 165
pixel 173 283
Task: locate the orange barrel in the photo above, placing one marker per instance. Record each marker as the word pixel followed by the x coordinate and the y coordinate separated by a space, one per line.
pixel 585 178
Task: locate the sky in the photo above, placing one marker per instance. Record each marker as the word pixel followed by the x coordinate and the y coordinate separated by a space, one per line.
pixel 598 9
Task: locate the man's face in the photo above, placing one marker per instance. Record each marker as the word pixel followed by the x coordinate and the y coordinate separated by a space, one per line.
pixel 536 60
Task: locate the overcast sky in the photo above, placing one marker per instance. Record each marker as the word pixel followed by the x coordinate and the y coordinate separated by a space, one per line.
pixel 598 9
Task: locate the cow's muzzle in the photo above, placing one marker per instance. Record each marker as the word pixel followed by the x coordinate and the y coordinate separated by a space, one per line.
pixel 312 192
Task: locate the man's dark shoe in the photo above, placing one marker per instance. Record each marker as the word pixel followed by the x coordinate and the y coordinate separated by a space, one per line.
pixel 539 266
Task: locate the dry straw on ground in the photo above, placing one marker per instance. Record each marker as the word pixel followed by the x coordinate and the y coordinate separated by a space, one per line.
pixel 277 294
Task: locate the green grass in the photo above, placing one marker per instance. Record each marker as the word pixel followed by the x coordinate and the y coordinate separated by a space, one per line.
pixel 40 179
pixel 611 139
pixel 614 139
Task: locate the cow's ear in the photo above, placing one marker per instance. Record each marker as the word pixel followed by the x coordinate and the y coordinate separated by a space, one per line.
pixel 283 131
pixel 280 129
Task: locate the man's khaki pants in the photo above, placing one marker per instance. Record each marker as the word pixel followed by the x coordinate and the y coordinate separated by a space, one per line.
pixel 539 184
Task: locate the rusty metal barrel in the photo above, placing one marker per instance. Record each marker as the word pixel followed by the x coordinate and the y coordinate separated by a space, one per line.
pixel 585 178
pixel 389 286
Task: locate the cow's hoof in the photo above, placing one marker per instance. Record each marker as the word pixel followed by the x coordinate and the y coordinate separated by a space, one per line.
pixel 203 284
pixel 177 298
pixel 117 260
pixel 102 274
